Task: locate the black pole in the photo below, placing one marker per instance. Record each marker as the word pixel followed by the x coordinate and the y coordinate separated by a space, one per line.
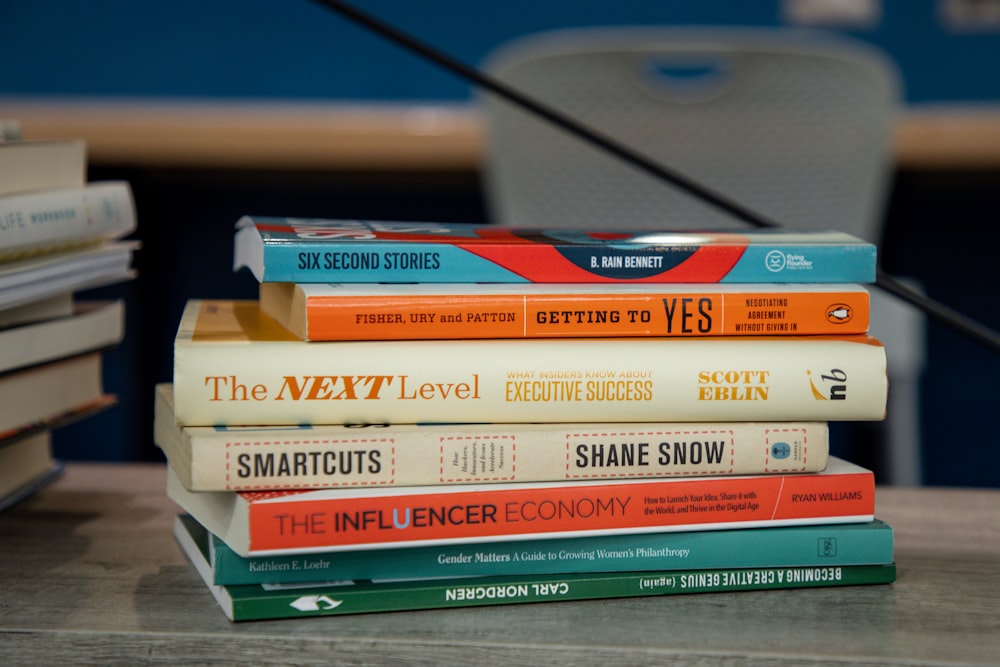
pixel 886 282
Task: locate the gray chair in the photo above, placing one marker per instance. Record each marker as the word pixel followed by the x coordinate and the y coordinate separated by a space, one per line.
pixel 794 125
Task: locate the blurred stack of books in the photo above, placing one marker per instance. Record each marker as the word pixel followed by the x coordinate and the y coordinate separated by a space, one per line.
pixel 59 236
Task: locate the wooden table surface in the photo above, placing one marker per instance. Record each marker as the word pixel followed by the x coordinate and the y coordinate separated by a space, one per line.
pixel 90 574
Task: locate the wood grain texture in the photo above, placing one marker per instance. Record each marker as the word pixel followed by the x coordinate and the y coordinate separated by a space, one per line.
pixel 331 135
pixel 257 135
pixel 89 574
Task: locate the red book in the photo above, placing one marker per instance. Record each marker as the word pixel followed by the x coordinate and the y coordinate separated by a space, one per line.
pixel 265 523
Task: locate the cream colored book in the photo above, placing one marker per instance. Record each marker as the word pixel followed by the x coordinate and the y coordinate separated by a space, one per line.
pixel 93 325
pixel 39 392
pixel 249 458
pixel 48 308
pixel 25 466
pixel 29 166
pixel 234 365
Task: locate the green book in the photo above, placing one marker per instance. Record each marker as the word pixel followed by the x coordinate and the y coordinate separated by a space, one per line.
pixel 259 602
pixel 792 546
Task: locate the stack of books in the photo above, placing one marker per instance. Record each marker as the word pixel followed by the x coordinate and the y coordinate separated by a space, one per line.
pixel 421 415
pixel 59 235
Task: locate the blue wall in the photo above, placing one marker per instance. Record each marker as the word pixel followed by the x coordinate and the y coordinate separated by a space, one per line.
pixel 298 49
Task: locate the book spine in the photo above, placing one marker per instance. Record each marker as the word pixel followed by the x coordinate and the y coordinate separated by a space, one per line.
pixel 318 251
pixel 571 315
pixel 529 380
pixel 240 459
pixel 328 520
pixel 442 263
pixel 27 166
pixel 442 594
pixel 93 326
pixel 796 546
pixel 56 219
pixel 37 393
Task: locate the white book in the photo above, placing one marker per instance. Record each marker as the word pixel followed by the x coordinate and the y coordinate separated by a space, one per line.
pixel 59 305
pixel 25 466
pixel 27 166
pixel 40 277
pixel 252 458
pixel 92 326
pixel 59 219
pixel 234 365
pixel 36 394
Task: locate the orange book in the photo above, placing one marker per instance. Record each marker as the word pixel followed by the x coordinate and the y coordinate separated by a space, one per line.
pixel 267 523
pixel 327 312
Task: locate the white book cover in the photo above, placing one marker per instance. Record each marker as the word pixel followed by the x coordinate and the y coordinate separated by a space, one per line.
pixel 250 458
pixel 27 166
pixel 28 280
pixel 92 326
pixel 234 365
pixel 52 220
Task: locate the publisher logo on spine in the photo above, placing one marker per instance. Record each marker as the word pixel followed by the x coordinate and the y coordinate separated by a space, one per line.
pixel 831 385
pixel 839 313
pixel 826 547
pixel 781 450
pixel 777 261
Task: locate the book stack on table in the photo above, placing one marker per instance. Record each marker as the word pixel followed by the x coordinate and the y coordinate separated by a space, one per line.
pixel 59 236
pixel 422 416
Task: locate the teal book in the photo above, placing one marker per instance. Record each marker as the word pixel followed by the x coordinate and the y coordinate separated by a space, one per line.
pixel 260 602
pixel 792 546
pixel 297 250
